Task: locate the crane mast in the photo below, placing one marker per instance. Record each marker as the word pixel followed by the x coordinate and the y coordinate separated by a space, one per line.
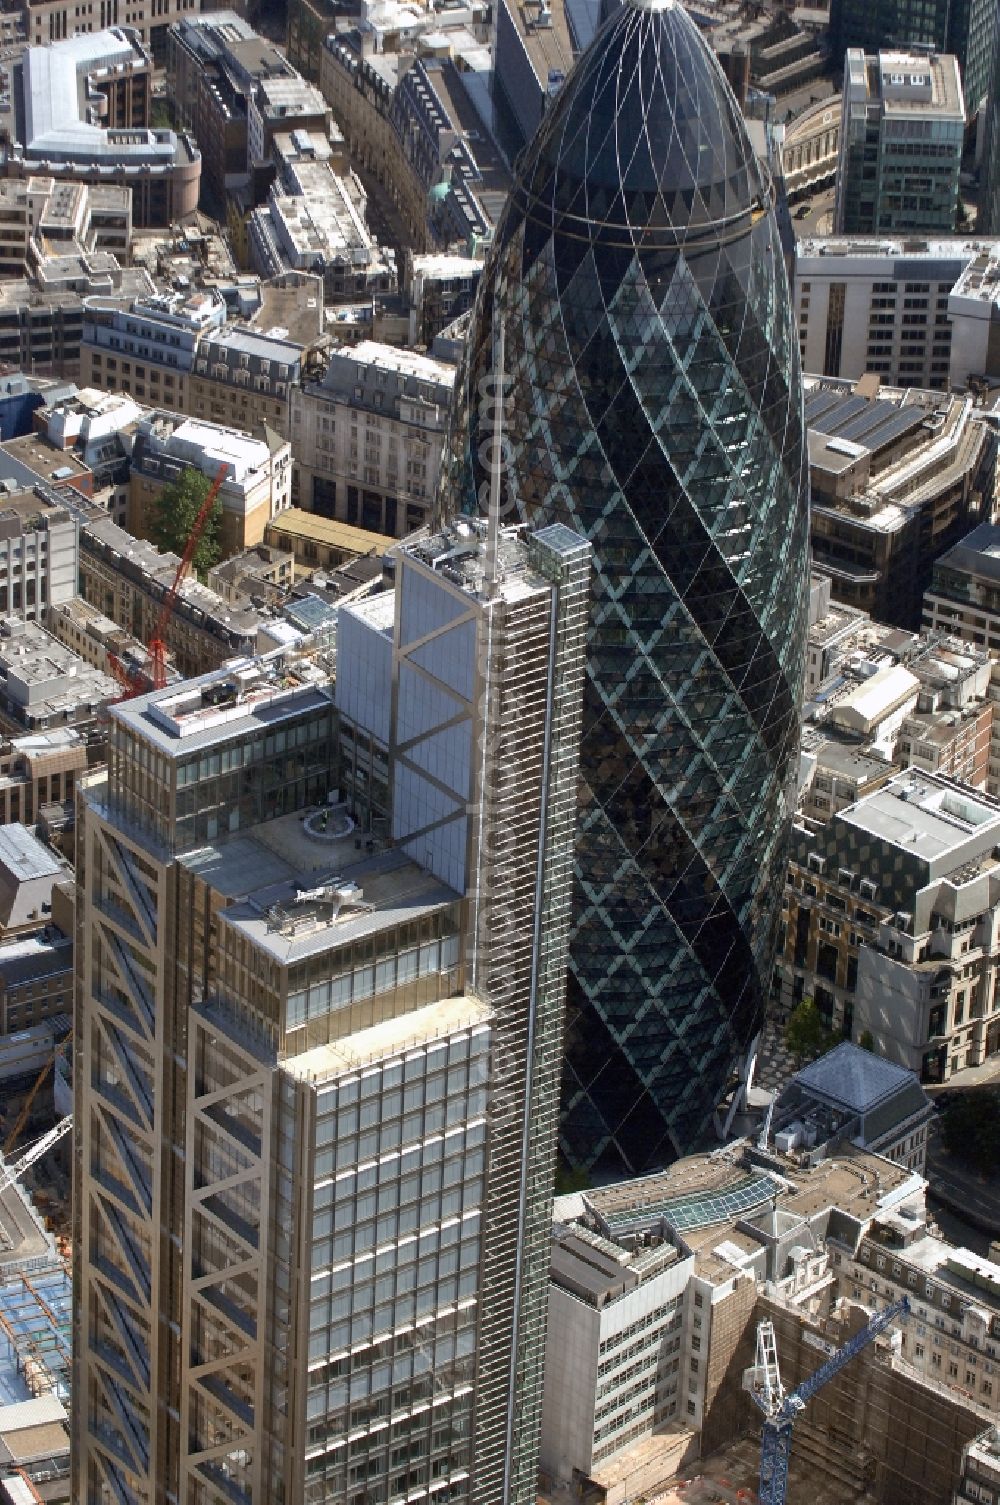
pixel 15 1169
pixel 25 1112
pixel 781 1410
pixel 154 675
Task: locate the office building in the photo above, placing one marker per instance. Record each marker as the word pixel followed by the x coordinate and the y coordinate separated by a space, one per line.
pixel 148 349
pixel 34 1436
pixel 127 579
pixel 885 700
pixel 28 871
pixel 772 49
pixel 980 1474
pixel 532 62
pixel 80 217
pixel 852 1096
pixel 22 1056
pixel 615 1352
pixel 367 437
pixel 262 572
pixel 309 24
pixel 234 90
pixel 964 594
pixel 958 746
pixel 955 1295
pixel 902 130
pixel 688 755
pixel 79 109
pixel 94 637
pixel 176 350
pixel 44 686
pixel 256 488
pixel 82 420
pixel 20 395
pixel 41 322
pixel 421 124
pixel 282 101
pixel 39 770
pixel 963 600
pixel 896 477
pixel 95 429
pixel 32 463
pixel 837 773
pixel 769 50
pixel 916 313
pixel 38 551
pixel 209 80
pixel 262 1032
pixel 966 29
pixel 49 21
pixel 315 220
pixel 831 625
pixel 892 923
pixel 439 288
pixel 36 979
pixel 242 378
pixel 989 176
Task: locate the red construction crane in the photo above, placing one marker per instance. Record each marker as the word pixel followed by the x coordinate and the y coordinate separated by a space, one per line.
pixel 154 673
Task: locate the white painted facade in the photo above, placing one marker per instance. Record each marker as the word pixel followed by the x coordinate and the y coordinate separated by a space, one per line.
pixel 917 313
pixel 611 1372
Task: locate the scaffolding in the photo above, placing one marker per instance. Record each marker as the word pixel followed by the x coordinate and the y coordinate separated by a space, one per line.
pixel 35 1323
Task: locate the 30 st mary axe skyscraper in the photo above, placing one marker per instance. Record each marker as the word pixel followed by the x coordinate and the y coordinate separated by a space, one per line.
pixel 321 967
pixel 653 404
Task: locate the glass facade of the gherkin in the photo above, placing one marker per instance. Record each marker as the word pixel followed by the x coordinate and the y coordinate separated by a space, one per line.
pixel 653 404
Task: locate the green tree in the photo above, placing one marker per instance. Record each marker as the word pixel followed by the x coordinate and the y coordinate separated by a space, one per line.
pixel 160 114
pixel 867 1041
pixel 175 512
pixel 805 1033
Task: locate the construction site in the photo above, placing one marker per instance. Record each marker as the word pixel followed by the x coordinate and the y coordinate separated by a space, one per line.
pixel 832 1346
pixel 35 1321
pixel 877 1432
pixel 35 1315
pixel 32 1105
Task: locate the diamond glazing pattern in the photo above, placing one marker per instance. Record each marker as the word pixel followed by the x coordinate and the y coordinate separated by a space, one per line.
pixel 654 405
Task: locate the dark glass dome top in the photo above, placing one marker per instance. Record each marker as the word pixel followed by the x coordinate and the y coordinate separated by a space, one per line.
pixel 644 135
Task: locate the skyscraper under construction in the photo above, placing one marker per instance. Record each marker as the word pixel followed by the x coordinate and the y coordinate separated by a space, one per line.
pixel 321 965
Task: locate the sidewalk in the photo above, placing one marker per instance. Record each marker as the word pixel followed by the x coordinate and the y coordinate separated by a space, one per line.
pixel 969 1076
pixel 775 1062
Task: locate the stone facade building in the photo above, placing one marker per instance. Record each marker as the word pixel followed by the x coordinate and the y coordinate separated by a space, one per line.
pixel 891 923
pixel 367 438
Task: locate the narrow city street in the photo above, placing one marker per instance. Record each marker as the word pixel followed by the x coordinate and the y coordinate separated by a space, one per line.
pixel 383 218
pixel 966 1204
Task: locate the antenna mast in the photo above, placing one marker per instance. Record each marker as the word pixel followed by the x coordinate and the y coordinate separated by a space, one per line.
pixel 493 531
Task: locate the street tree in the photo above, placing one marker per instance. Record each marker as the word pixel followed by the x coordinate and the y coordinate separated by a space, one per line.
pixel 175 512
pixel 806 1035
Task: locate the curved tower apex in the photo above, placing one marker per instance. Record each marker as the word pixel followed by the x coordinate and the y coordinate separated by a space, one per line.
pixel 644 139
